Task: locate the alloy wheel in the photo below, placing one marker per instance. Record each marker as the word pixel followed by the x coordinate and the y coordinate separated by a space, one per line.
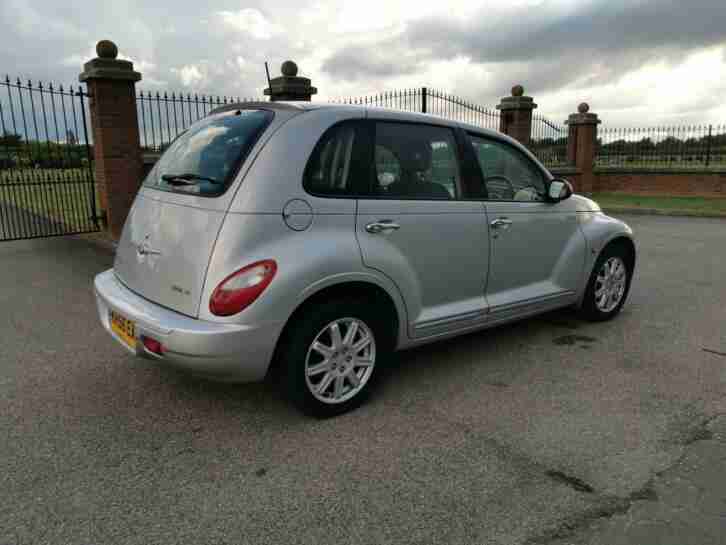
pixel 340 360
pixel 610 284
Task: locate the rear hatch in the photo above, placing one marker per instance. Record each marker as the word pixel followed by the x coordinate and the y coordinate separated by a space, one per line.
pixel 171 230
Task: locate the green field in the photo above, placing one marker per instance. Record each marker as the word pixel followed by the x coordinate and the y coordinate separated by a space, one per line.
pixel 62 196
pixel 705 206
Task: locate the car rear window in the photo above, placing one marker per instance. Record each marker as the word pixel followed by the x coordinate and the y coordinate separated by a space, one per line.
pixel 205 158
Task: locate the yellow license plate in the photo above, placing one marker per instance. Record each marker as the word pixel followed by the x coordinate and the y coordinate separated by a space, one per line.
pixel 124 328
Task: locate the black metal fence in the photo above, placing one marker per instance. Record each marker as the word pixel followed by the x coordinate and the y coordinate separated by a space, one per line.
pixel 430 101
pixel 408 100
pixel 456 108
pixel 549 141
pixel 671 148
pixel 46 171
pixel 162 116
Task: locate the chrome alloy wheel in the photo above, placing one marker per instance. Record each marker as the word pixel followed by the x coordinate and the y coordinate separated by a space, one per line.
pixel 610 284
pixel 340 360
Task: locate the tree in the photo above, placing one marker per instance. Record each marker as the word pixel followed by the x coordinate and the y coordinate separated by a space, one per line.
pixel 10 140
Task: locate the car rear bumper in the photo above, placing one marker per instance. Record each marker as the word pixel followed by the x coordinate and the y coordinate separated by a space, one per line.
pixel 220 351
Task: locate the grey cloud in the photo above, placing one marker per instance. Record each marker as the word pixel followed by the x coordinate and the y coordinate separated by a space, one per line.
pixel 161 36
pixel 546 48
pixel 357 61
pixel 605 27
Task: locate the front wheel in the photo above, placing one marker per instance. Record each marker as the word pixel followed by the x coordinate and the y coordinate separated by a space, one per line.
pixel 608 286
pixel 332 358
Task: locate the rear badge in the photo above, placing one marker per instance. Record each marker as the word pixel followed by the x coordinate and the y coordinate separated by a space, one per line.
pixel 145 252
pixel 179 289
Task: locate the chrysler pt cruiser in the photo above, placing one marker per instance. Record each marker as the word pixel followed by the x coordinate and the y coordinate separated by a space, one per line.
pixel 308 242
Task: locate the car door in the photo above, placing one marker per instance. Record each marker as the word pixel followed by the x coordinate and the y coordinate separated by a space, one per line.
pixel 413 226
pixel 537 250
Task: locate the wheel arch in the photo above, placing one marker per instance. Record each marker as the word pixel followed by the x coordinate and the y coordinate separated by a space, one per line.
pixel 625 242
pixel 359 287
pixel 621 238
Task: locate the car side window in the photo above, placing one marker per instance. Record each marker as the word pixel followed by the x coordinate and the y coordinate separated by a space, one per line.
pixel 415 161
pixel 330 168
pixel 509 175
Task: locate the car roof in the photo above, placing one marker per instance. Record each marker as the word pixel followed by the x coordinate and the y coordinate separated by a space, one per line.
pixel 371 111
pixel 389 114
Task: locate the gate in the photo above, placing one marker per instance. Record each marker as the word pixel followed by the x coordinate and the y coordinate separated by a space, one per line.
pixel 47 184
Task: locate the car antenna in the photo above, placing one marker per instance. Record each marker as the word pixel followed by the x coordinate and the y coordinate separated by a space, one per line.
pixel 269 83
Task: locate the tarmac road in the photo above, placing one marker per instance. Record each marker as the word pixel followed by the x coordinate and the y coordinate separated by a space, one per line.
pixel 508 436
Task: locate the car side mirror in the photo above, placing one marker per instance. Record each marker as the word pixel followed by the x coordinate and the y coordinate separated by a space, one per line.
pixel 559 190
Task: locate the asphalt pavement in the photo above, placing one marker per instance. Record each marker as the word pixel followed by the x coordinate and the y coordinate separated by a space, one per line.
pixel 546 431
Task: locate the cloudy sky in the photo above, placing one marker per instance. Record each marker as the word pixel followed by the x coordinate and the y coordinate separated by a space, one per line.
pixel 637 62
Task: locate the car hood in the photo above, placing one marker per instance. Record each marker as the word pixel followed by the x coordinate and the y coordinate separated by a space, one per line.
pixel 583 204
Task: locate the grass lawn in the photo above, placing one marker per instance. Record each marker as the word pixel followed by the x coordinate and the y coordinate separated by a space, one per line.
pixel 663 203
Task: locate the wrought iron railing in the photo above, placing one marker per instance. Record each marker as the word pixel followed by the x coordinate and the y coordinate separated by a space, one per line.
pixel 407 100
pixel 672 148
pixel 453 107
pixel 548 141
pixel 429 101
pixel 162 116
pixel 46 173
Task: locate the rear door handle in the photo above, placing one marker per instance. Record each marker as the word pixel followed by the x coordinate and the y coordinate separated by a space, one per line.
pixel 382 226
pixel 501 223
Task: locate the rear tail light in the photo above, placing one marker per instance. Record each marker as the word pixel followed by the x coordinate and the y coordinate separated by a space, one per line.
pixel 240 289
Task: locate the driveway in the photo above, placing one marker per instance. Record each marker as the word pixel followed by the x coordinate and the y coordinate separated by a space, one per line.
pixel 507 436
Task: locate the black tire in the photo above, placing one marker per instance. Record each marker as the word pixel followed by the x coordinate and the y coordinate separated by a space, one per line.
pixel 589 309
pixel 303 331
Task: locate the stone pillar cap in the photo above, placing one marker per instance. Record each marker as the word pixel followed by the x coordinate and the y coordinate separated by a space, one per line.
pixel 290 86
pixel 107 66
pixel 583 117
pixel 518 100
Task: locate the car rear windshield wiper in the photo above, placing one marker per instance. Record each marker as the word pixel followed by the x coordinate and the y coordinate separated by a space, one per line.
pixel 187 179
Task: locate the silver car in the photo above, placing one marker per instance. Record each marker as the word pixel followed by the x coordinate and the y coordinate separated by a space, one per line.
pixel 308 242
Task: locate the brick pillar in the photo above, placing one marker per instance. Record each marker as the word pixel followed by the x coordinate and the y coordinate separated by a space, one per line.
pixel 516 115
pixel 581 145
pixel 290 86
pixel 116 147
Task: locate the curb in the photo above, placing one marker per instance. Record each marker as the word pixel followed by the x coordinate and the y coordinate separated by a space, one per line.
pixel 659 212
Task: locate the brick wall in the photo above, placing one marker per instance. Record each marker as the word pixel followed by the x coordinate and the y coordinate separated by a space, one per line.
pixel 707 184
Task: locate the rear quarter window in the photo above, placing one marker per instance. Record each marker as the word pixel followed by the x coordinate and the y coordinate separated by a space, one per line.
pixel 339 164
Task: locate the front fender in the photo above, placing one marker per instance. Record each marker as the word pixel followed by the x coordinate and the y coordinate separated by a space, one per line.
pixel 599 230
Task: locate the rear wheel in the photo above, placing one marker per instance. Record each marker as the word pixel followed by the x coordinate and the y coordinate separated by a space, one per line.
pixel 609 284
pixel 333 356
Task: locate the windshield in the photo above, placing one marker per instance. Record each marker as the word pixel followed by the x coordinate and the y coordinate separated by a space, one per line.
pixel 204 159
